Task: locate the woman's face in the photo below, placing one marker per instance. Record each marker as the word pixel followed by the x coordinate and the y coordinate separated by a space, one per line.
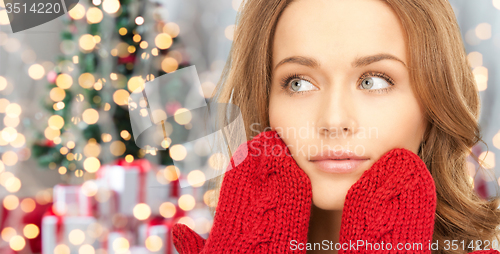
pixel 340 82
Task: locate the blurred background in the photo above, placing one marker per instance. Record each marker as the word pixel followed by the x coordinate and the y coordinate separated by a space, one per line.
pixel 73 180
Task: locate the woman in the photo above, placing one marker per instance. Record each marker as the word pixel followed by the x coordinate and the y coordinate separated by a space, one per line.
pixel 360 78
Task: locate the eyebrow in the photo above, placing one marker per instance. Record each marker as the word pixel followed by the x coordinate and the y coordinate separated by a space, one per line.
pixel 358 62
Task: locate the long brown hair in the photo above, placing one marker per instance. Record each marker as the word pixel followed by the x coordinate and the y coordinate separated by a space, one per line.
pixel 441 79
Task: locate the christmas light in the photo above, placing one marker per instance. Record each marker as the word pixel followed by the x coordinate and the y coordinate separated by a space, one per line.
pixel 76 237
pixel 77 12
pixel 488 159
pixel 496 140
pixel 8 233
pixel 92 149
pixel 28 205
pixel 171 29
pixel 111 6
pixel 122 31
pixel 4 18
pixel 31 231
pixel 62 170
pixel 135 84
pixel 19 141
pixel 87 42
pixel 141 211
pixel 71 144
pixel 56 122
pixel 475 59
pixel 167 210
pixel 117 148
pixel 90 116
pixel 218 161
pixel 121 97
pixel 106 137
pixel 62 249
pixel 171 173
pixel 483 31
pixel 57 94
pixel 129 158
pixel 120 245
pixel 125 135
pixel 186 202
pixel 154 243
pixel 86 80
pixel 9 134
pixel 9 158
pixel 139 20
pixel 187 221
pixel 229 32
pixel 91 164
pixel 94 15
pixel 196 178
pixel 182 116
pixel 17 243
pixel 178 152
pixel 163 41
pixel 137 38
pixel 51 133
pixel 3 104
pixel 3 83
pixel 64 81
pixel 4 177
pixel 10 202
pixel 86 249
pixel 13 185
pixel 169 64
pixel 208 200
pixel 13 110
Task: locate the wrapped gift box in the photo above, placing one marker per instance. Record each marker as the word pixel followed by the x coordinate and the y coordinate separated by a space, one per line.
pixel 57 230
pixel 131 184
pixel 70 200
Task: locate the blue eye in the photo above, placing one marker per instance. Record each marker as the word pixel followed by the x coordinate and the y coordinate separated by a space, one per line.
pixel 296 84
pixel 374 83
pixel 299 85
pixel 371 81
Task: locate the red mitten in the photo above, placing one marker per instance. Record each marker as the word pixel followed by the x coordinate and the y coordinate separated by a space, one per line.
pixel 264 203
pixel 391 207
pixel 392 204
pixel 486 252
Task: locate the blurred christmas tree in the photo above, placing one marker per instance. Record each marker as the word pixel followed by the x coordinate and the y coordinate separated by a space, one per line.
pixel 109 49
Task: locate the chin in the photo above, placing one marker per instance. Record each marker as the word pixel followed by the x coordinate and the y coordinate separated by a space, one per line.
pixel 329 202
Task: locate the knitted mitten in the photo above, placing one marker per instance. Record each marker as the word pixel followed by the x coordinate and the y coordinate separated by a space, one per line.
pixel 264 203
pixel 392 206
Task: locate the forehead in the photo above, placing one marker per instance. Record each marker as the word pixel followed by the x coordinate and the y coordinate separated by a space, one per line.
pixel 337 31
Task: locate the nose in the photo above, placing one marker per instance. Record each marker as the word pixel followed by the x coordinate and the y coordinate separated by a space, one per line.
pixel 337 113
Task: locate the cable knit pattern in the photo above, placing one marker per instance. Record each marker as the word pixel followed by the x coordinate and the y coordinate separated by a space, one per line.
pixel 265 202
pixel 393 202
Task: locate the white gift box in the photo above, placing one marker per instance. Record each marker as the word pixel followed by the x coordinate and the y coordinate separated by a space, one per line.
pixel 139 250
pixel 132 187
pixel 70 200
pixel 74 227
pixel 114 236
pixel 163 231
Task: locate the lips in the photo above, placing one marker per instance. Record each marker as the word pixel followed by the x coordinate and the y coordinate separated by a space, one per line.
pixel 337 155
pixel 340 161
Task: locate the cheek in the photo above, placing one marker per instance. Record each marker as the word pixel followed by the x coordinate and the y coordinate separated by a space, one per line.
pixel 285 115
pixel 398 126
